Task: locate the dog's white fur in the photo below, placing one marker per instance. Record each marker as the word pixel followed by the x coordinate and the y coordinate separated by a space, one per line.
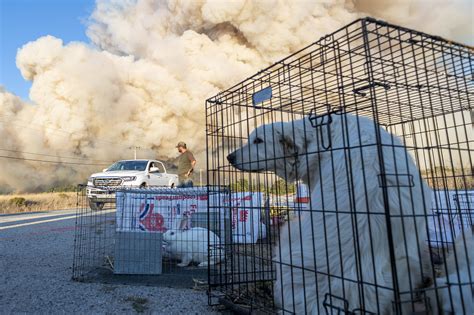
pixel 343 247
pixel 453 294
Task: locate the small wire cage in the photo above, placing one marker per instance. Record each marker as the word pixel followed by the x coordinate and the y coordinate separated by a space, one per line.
pixel 153 235
pixel 357 154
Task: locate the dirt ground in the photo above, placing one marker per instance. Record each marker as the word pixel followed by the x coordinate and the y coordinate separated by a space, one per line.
pixel 36 259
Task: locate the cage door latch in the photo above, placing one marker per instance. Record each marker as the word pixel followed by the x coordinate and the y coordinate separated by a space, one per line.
pixel 396 180
pixel 333 303
pixel 320 121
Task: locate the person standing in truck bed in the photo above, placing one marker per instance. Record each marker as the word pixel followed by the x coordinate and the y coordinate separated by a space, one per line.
pixel 186 163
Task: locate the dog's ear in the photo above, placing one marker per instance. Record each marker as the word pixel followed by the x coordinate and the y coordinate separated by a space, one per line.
pixel 288 145
pixel 287 164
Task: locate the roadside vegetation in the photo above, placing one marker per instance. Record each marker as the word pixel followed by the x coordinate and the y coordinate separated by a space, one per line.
pixel 279 187
pixel 17 203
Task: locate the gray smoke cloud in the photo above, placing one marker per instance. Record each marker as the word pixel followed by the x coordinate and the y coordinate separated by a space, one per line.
pixel 151 65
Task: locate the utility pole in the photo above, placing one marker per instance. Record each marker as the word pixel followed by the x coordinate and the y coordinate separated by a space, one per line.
pixel 135 151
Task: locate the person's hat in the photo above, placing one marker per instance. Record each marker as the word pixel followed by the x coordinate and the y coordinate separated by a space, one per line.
pixel 181 144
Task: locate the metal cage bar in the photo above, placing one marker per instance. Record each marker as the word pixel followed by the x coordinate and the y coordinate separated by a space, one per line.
pixel 374 122
pixel 155 235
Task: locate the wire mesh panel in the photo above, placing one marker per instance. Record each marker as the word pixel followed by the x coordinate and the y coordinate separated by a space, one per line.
pixel 375 122
pixel 155 235
pixel 94 235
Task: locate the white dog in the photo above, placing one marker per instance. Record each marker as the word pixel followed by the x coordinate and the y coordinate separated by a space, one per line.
pixel 338 255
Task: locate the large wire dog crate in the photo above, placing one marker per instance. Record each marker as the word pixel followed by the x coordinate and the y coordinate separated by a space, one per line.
pixel 377 120
pixel 153 236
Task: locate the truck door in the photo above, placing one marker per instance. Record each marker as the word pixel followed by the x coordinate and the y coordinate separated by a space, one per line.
pixel 157 174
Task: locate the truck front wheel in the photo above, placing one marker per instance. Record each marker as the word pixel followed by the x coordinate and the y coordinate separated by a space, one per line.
pixel 96 206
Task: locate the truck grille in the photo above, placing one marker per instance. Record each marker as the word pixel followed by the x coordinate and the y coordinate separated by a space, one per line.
pixel 107 182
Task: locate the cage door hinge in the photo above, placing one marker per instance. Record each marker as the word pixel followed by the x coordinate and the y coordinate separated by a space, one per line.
pixel 359 90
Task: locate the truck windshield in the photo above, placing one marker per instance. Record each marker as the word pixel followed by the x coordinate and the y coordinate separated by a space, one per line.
pixel 128 166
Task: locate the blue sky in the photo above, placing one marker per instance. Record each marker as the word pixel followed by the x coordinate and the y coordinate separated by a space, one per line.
pixel 22 21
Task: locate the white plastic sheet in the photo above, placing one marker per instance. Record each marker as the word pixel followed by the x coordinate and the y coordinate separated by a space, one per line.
pixel 246 208
pixel 451 211
pixel 158 212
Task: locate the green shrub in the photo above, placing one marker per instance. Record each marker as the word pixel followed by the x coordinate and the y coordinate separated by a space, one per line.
pixel 281 187
pixel 240 185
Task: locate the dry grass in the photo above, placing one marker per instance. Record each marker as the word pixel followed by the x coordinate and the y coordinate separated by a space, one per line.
pixel 37 202
pixel 445 178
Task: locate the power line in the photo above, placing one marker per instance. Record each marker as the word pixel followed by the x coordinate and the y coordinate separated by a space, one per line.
pixel 65 133
pixel 48 161
pixel 57 130
pixel 57 156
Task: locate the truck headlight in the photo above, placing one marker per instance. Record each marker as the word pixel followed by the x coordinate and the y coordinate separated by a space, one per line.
pixel 129 178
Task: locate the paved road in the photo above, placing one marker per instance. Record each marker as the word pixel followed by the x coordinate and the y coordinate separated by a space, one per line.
pixel 36 252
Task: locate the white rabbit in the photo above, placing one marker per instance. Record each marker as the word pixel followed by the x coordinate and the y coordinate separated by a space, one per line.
pixel 192 245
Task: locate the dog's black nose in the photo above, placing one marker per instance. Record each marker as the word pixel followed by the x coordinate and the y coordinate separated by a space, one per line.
pixel 231 158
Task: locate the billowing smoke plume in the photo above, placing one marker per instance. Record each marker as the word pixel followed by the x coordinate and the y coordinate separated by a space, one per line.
pixel 151 66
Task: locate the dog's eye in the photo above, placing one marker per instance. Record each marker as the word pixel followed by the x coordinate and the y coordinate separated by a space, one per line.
pixel 172 233
pixel 257 141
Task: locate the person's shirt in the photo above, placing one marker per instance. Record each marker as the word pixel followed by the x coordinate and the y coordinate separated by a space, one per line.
pixel 185 163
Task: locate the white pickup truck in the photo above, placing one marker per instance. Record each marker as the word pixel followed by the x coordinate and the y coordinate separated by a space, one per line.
pixel 126 173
